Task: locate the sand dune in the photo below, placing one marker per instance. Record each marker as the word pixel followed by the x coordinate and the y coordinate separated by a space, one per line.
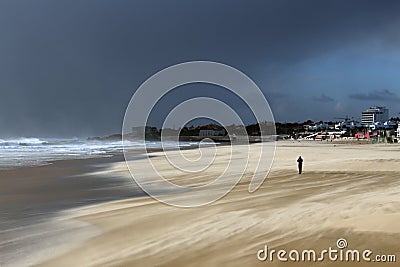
pixel 346 191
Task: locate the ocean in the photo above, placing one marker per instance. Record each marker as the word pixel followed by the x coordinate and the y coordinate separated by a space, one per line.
pixel 22 151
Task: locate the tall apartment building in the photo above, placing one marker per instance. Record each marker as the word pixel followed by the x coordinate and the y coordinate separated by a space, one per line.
pixel 374 114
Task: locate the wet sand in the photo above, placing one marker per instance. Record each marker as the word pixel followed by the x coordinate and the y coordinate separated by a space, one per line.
pixel 32 197
pixel 27 193
pixel 346 191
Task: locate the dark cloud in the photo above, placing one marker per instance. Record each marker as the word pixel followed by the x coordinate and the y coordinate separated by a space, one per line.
pixel 377 95
pixel 274 95
pixel 323 98
pixel 70 67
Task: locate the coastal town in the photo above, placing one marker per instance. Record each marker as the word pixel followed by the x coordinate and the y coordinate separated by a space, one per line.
pixel 375 126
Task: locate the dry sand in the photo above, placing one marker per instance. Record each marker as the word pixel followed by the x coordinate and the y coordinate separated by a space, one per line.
pixel 346 191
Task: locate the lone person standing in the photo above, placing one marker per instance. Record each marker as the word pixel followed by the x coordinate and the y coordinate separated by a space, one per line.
pixel 300 164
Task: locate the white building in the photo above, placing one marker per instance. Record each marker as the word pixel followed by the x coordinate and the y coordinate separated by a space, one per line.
pixel 374 114
pixel 390 125
pixel 206 133
pixel 398 130
pixel 347 124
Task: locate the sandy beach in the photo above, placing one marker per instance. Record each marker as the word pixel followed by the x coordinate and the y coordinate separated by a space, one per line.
pixel 347 191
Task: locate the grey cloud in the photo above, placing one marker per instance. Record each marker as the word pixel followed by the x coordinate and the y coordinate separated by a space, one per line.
pixel 323 98
pixel 70 67
pixel 377 95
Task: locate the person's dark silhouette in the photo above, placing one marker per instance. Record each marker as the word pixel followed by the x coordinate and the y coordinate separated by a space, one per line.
pixel 300 164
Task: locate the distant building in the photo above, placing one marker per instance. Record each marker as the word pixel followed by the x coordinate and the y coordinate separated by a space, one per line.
pixel 374 114
pixel 347 125
pixel 398 130
pixel 362 135
pixel 207 132
pixel 212 130
pixel 390 125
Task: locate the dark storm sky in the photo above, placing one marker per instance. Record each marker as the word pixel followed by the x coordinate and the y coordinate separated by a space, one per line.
pixel 69 68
